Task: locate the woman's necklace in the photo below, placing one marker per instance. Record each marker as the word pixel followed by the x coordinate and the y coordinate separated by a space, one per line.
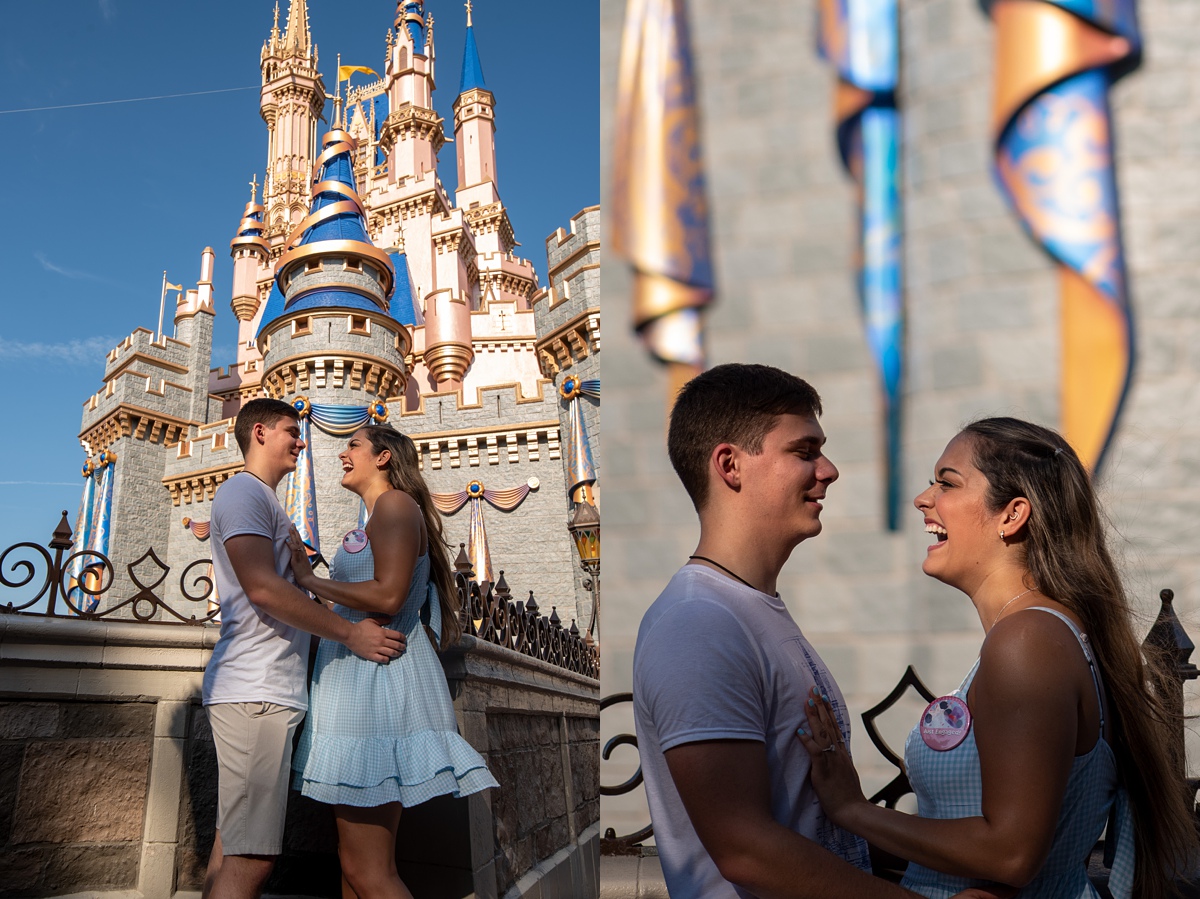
pixel 727 571
pixel 1007 604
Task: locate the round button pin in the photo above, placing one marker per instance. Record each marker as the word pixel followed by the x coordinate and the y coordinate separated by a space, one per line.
pixel 354 541
pixel 945 723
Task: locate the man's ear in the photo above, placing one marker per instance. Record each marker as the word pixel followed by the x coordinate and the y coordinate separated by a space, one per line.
pixel 259 433
pixel 725 461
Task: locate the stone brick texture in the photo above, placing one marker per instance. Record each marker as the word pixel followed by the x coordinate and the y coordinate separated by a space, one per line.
pixel 982 332
pixel 73 780
pixel 526 758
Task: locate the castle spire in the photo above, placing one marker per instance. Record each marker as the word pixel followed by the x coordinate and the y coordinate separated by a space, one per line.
pixel 297 38
pixel 472 71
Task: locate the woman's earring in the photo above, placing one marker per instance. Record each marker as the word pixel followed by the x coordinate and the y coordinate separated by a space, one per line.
pixel 1002 535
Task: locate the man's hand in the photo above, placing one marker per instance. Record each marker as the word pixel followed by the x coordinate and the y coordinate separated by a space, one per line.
pixel 370 641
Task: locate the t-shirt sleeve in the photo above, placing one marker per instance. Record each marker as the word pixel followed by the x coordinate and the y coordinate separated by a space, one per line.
pixel 243 511
pixel 699 677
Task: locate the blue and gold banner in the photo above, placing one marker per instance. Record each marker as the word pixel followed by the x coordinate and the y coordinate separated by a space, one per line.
pixel 82 538
pixel 102 529
pixel 1055 63
pixel 660 213
pixel 302 493
pixel 581 470
pixel 860 39
pixel 340 421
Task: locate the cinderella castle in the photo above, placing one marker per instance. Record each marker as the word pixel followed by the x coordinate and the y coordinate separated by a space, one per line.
pixel 365 292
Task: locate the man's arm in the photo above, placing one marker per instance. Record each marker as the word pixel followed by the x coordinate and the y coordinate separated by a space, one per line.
pixel 725 787
pixel 253 560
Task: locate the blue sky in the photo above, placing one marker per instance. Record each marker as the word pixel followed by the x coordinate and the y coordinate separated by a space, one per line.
pixel 101 199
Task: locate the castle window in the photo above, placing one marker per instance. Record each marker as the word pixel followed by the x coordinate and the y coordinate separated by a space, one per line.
pixel 313 265
pixel 353 265
pixel 301 326
pixel 360 324
pixel 218 441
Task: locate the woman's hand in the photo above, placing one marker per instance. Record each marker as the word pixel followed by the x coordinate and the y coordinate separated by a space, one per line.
pixel 301 567
pixel 833 775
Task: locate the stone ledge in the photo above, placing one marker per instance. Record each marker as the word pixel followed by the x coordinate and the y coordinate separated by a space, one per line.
pixel 571 873
pixel 80 632
pixel 631 877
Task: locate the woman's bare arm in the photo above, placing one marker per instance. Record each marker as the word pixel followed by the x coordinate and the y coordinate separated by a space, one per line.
pixel 395 534
pixel 1025 708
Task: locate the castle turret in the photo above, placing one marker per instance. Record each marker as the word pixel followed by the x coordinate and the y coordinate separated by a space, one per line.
pixel 475 131
pixel 327 332
pixel 502 275
pixel 250 253
pixel 292 98
pixel 412 134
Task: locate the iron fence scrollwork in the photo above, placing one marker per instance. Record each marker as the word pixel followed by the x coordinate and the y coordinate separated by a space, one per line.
pixel 80 592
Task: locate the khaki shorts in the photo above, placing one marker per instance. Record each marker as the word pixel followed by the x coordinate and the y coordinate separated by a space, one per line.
pixel 254 760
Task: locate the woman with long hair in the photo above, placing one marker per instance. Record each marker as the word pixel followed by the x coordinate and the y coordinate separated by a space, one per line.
pixel 382 737
pixel 1058 723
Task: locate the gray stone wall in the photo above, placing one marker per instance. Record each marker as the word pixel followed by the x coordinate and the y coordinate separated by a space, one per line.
pixel 531 544
pixel 73 779
pixel 982 331
pixel 575 287
pixel 141 517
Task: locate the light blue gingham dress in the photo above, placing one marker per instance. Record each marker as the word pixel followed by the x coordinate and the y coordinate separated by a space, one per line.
pixel 384 733
pixel 950 785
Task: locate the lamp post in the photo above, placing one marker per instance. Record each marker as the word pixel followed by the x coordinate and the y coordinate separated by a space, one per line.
pixel 585 531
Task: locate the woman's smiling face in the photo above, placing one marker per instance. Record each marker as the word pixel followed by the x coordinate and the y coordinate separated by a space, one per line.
pixel 966 533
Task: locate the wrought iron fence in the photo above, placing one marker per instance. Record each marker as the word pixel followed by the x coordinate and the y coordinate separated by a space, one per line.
pixel 73 585
pixel 1167 636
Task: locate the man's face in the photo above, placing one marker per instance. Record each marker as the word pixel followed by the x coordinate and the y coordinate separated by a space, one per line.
pixel 788 479
pixel 281 443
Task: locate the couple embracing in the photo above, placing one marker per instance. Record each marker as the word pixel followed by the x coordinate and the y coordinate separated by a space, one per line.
pixel 380 734
pixel 745 737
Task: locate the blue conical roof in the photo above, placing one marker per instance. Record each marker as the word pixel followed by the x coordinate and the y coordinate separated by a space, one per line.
pixel 472 71
pixel 335 184
pixel 346 225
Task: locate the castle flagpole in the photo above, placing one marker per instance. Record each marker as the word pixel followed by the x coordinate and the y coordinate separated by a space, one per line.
pixel 162 305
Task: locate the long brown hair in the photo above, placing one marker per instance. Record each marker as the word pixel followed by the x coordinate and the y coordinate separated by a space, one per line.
pixel 404 474
pixel 1066 553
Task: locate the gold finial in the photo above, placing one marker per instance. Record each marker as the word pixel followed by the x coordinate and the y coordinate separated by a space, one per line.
pixel 468 5
pixel 253 188
pixel 276 15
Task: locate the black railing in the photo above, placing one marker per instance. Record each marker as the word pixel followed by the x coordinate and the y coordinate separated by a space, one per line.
pixel 490 613
pixel 1167 637
pixel 74 585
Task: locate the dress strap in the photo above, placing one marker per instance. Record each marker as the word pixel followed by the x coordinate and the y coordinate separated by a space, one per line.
pixel 1081 637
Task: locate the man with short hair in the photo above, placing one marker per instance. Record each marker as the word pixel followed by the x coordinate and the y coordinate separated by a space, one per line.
pixel 721 671
pixel 255 684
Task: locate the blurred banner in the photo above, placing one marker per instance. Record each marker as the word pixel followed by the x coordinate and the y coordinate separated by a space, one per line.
pixel 1055 62
pixel 859 38
pixel 659 210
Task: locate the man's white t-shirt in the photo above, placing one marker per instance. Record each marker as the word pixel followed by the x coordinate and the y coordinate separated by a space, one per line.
pixel 257 658
pixel 716 660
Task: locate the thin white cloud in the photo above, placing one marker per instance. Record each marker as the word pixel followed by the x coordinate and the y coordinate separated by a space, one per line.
pixel 74 274
pixel 87 351
pixel 40 483
pixel 107 9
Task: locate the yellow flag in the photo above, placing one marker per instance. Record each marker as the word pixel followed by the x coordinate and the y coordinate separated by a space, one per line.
pixel 344 72
pixel 171 286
